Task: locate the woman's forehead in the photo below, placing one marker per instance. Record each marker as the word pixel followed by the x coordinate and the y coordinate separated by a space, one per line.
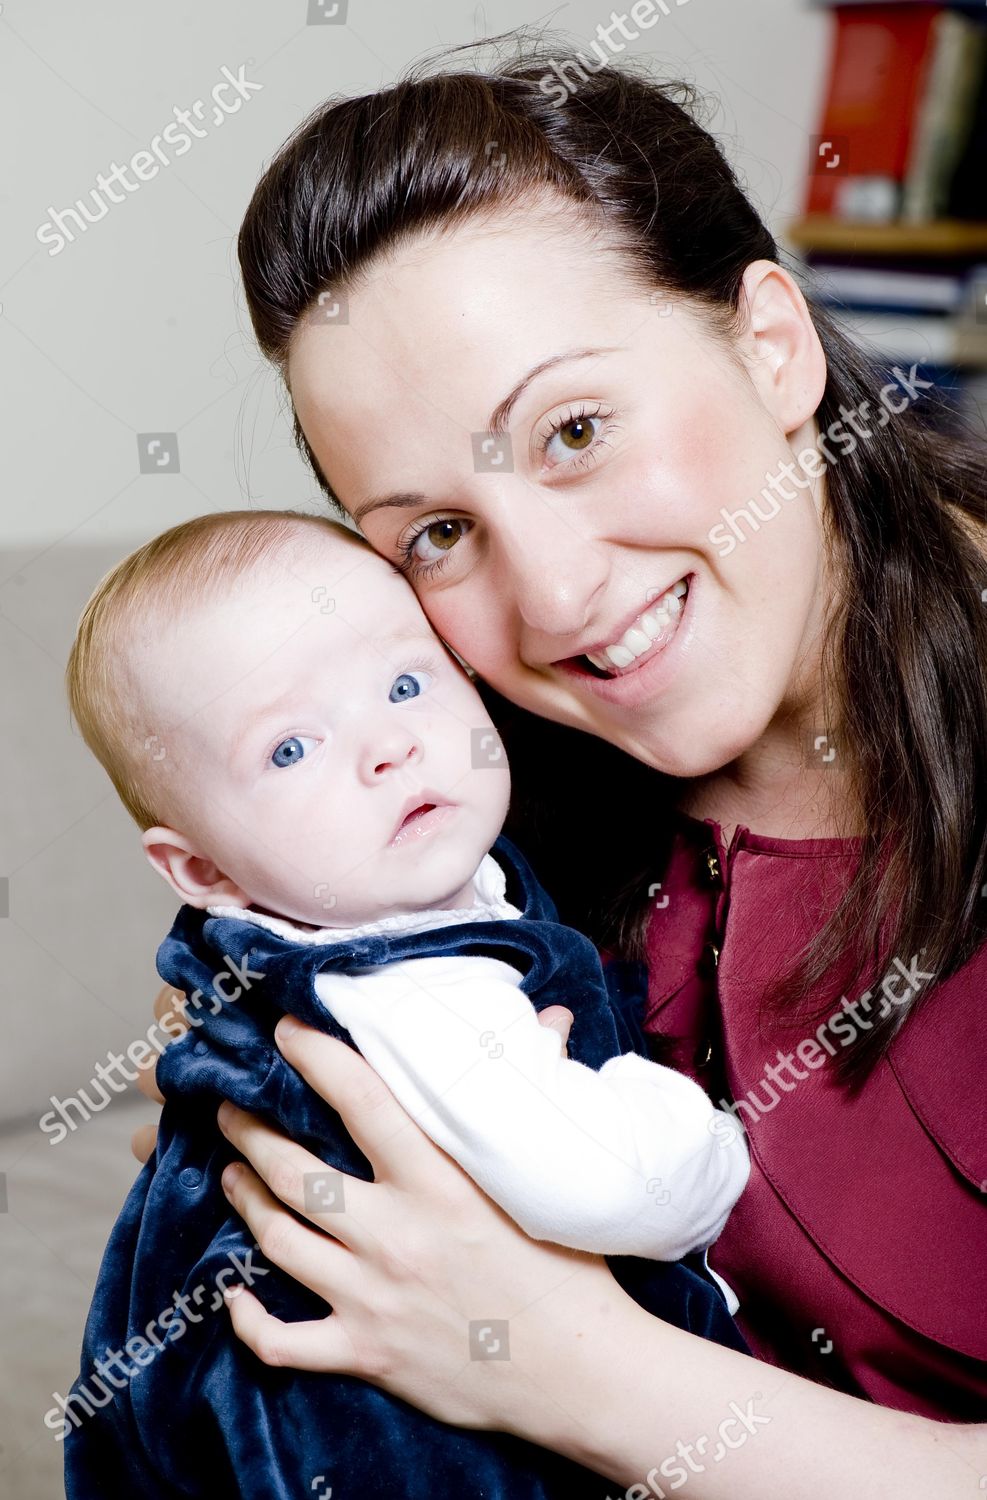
pixel 447 312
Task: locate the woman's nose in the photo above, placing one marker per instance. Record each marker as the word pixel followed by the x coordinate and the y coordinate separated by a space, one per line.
pixel 551 575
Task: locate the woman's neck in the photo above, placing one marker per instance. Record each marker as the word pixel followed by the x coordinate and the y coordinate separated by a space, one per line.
pixel 791 784
pixel 785 801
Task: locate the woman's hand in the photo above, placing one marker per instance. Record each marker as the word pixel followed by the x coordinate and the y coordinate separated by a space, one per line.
pixel 439 1298
pixel 169 1007
pixel 437 1295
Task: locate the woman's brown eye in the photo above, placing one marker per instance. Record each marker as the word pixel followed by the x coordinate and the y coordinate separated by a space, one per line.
pixel 574 437
pixel 578 434
pixel 437 538
pixel 444 534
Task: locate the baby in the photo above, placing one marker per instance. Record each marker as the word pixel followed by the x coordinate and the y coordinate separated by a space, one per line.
pixel 318 780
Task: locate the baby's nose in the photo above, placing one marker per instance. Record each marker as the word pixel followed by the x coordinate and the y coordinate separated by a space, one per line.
pixel 396 750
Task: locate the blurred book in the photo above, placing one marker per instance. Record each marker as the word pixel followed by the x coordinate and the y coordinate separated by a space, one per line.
pixel 904 121
pixel 956 343
pixel 968 188
pixel 877 65
pixel 898 193
pixel 930 317
pixel 885 287
pixel 955 71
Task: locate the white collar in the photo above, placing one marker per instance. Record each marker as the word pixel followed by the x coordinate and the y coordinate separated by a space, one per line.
pixel 489 883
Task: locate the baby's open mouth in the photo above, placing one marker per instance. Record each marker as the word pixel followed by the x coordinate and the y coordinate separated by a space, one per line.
pixel 648 634
pixel 422 816
pixel 418 812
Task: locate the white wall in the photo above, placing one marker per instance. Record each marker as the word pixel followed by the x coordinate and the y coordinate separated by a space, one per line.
pixel 138 326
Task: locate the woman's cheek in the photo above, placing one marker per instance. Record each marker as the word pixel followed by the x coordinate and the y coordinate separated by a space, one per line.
pixel 473 619
pixel 663 487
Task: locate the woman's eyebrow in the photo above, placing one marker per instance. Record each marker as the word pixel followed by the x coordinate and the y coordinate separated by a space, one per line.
pixel 496 423
pixel 403 498
pixel 500 415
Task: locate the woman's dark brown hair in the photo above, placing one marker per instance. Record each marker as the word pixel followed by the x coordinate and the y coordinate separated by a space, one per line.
pixel 907 645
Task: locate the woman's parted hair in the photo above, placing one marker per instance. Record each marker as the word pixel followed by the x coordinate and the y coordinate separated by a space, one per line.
pixel 907 644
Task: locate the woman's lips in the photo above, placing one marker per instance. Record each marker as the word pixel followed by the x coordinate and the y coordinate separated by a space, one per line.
pixel 645 677
pixel 652 630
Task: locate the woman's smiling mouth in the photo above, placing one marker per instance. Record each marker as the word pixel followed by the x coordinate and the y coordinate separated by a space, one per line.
pixel 648 633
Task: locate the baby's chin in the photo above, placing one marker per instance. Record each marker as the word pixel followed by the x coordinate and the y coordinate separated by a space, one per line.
pixel 443 897
pixel 413 906
pixel 435 873
pixel 267 911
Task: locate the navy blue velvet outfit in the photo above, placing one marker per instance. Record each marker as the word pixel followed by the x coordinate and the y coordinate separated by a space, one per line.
pixel 193 1411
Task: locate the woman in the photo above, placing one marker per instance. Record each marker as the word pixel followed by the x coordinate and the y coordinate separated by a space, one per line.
pixel 540 348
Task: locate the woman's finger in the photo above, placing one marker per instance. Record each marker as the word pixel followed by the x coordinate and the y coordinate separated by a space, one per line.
pixel 321 1345
pixel 557 1018
pixel 316 1260
pixel 143 1142
pixel 171 1002
pixel 397 1149
pixel 331 1199
pixel 169 1012
pixel 147 1081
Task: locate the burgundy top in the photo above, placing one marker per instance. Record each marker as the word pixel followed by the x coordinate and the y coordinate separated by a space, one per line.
pixel 858 1248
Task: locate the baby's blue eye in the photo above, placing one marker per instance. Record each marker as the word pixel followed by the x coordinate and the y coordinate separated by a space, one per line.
pixel 406 686
pixel 289 752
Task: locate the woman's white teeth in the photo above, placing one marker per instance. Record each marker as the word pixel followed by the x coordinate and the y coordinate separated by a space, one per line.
pixel 645 630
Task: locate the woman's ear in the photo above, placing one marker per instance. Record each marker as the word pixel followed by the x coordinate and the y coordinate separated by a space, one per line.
pixel 780 345
pixel 196 879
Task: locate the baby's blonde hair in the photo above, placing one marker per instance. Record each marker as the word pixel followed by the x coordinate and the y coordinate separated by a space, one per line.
pixel 166 575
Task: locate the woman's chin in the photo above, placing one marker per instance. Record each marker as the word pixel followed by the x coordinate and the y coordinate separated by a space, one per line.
pixel 692 754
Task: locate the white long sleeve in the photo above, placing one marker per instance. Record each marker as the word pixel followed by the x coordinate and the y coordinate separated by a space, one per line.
pixel 623 1161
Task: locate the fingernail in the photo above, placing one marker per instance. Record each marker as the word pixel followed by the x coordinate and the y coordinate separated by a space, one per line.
pixel 231 1175
pixel 286 1027
pixel 224 1113
pixel 229 1292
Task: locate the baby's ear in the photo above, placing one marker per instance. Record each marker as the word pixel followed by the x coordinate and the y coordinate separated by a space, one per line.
pixel 196 879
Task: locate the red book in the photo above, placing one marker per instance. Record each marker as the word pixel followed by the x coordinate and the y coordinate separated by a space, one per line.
pixel 877 73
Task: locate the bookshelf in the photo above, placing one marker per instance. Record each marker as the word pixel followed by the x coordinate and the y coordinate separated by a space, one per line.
pixel 893 234
pixel 938 238
pixel 970 6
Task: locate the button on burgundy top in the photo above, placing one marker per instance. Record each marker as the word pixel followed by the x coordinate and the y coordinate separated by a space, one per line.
pixel 859 1247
